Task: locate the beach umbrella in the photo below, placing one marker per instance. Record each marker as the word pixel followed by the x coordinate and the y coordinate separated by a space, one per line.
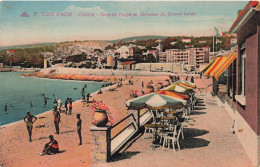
pixel 186 83
pixel 178 88
pixel 155 101
pixel 173 94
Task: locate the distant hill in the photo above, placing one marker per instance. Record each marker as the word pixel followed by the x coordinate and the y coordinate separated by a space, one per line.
pixel 26 46
pixel 138 38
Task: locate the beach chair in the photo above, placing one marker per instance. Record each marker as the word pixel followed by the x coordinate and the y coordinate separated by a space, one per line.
pixel 172 137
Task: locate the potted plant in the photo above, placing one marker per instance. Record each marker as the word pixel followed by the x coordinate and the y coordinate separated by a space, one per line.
pixel 102 114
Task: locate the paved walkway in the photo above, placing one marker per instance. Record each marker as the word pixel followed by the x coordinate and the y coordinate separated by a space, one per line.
pixel 208 142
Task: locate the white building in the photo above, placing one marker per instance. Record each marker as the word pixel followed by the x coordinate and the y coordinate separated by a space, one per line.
pixel 125 51
pixel 187 40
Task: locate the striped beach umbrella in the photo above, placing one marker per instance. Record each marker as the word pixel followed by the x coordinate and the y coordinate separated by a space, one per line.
pixel 186 83
pixel 179 88
pixel 155 101
pixel 173 94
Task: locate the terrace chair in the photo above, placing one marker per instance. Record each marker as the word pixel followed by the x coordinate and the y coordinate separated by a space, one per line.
pixel 150 130
pixel 167 130
pixel 182 122
pixel 173 137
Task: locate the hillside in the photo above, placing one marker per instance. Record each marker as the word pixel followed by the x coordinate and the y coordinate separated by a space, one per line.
pixel 27 46
pixel 138 38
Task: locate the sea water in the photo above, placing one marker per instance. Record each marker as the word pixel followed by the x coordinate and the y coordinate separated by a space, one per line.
pixel 16 92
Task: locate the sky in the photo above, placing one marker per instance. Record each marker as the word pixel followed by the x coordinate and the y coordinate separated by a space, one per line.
pixel 39 28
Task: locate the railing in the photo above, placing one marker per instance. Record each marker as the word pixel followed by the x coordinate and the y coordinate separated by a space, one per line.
pixel 121 138
pixel 124 135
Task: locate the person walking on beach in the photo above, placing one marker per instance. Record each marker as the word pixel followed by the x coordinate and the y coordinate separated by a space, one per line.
pixel 85 86
pixel 70 107
pixel 59 102
pixel 66 105
pixel 83 93
pixel 6 108
pixel 56 115
pixel 192 79
pixel 51 148
pixel 187 78
pixel 88 95
pixel 142 84
pixel 79 128
pixel 28 119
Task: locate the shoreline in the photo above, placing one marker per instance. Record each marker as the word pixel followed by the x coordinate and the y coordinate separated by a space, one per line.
pixel 14 136
pixel 39 115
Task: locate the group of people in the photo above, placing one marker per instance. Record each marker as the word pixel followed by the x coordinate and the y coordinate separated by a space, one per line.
pixel 51 147
pixel 85 96
pixel 191 79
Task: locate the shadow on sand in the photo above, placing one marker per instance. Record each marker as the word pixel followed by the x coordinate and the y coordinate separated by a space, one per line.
pixel 198 113
pixel 200 108
pixel 124 155
pixel 190 141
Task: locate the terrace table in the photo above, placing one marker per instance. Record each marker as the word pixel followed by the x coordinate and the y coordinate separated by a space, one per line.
pixel 155 126
pixel 167 118
pixel 171 112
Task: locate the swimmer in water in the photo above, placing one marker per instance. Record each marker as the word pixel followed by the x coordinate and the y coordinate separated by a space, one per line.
pixel 31 104
pixel 6 108
pixel 45 100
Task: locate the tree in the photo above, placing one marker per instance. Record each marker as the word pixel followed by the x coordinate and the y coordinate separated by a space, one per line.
pixel 149 58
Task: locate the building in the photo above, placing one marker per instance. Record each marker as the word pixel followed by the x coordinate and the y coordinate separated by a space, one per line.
pixel 155 53
pixel 240 91
pixel 244 87
pixel 127 65
pixel 190 56
pixel 202 41
pixel 189 46
pixel 187 40
pixel 110 61
pixel 162 57
pixel 158 67
pixel 218 41
pixel 125 52
pixel 233 41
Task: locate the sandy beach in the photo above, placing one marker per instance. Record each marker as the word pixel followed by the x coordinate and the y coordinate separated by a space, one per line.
pixel 17 151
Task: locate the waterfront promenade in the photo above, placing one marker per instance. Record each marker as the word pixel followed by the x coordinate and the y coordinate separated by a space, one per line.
pixel 208 140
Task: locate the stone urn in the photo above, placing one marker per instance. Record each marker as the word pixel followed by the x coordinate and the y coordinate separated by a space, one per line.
pixel 100 118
